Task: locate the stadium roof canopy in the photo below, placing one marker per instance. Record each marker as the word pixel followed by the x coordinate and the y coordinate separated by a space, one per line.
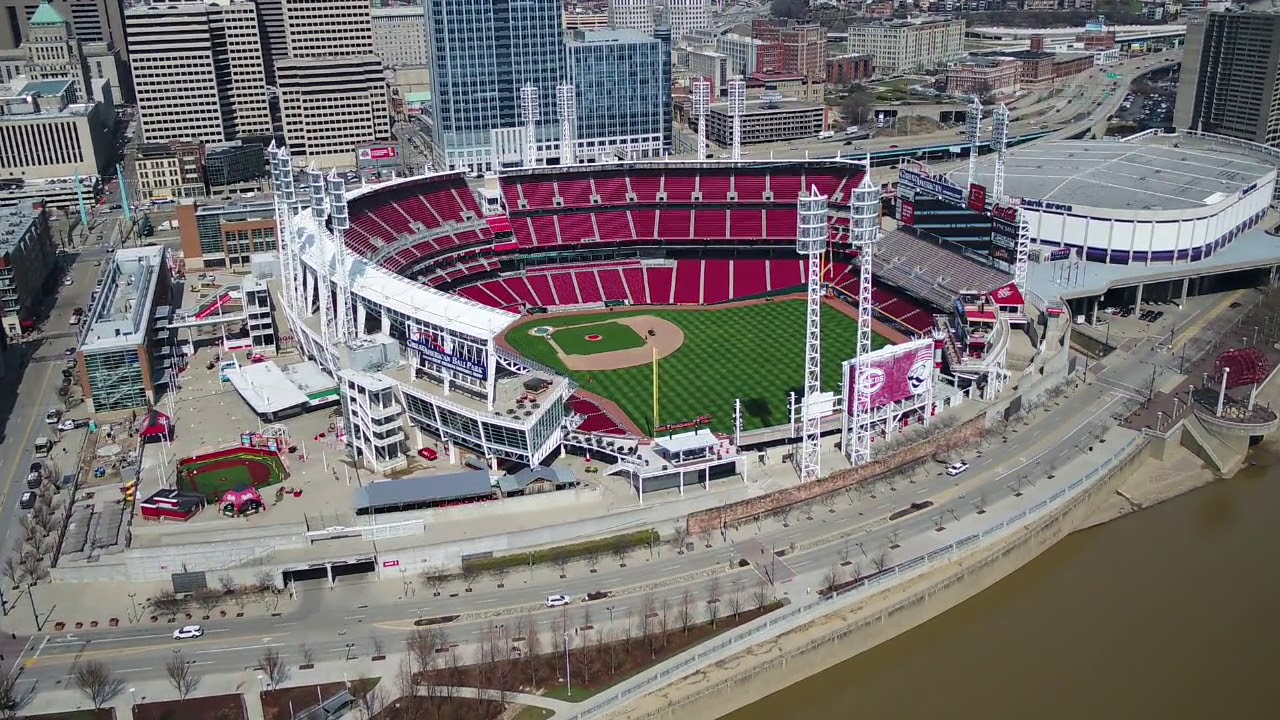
pixel 1136 176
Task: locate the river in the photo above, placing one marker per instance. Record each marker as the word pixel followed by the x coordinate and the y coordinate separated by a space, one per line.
pixel 1171 612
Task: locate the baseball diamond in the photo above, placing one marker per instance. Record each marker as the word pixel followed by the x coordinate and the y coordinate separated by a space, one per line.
pixel 752 352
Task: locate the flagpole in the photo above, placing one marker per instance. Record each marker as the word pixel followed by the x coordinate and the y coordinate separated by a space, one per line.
pixel 655 390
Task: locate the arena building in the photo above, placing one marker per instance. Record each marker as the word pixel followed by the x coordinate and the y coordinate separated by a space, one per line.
pixel 1136 202
pixel 467 317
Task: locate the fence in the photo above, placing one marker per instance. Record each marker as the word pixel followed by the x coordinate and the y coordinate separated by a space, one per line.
pixel 794 616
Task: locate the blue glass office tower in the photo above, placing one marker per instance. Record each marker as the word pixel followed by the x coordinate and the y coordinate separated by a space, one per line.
pixel 623 88
pixel 481 53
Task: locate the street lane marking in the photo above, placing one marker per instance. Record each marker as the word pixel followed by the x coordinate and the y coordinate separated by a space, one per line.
pixel 242 647
pixel 26 436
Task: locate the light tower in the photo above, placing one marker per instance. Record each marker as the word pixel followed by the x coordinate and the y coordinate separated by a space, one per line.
pixel 1023 256
pixel 864 233
pixel 973 129
pixel 293 202
pixel 339 222
pixel 1000 145
pixel 811 241
pixel 531 112
pixel 701 98
pixel 324 291
pixel 737 108
pixel 281 197
pixel 567 105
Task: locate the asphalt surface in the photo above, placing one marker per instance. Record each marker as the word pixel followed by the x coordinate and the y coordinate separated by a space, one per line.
pixel 343 623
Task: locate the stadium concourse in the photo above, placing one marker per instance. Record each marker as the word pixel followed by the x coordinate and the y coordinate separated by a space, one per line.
pixel 439 268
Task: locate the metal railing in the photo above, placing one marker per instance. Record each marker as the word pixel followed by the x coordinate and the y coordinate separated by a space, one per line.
pixel 793 616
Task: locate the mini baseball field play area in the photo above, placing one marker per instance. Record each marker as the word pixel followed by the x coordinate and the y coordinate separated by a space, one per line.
pixel 214 474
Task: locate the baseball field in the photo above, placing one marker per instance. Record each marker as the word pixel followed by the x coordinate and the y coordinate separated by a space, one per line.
pixel 707 358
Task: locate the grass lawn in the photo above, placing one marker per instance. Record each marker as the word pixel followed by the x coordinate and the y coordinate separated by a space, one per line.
pixel 530 712
pixel 216 481
pixel 613 336
pixel 753 353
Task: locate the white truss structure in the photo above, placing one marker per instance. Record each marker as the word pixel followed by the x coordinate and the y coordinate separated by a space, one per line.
pixel 811 241
pixel 567 105
pixel 530 112
pixel 1023 256
pixel 864 233
pixel 973 131
pixel 700 95
pixel 280 176
pixel 737 108
pixel 319 210
pixel 999 145
pixel 339 222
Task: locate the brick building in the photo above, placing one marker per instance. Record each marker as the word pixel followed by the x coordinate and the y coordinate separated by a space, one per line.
pixel 845 70
pixel 984 76
pixel 797 49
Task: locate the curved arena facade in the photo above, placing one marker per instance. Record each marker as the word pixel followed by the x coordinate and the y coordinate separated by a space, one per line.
pixel 437 269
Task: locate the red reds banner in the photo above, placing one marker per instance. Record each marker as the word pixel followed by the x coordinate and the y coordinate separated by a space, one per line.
pixel 908 213
pixel 977 198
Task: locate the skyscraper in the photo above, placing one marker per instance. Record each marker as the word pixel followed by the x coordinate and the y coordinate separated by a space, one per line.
pixel 92 21
pixel 333 96
pixel 197 70
pixel 623 94
pixel 1229 74
pixel 481 52
pixel 631 15
pixel 686 16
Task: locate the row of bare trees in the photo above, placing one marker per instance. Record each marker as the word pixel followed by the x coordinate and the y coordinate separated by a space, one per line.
pixel 40 528
pixel 438 577
pixel 262 590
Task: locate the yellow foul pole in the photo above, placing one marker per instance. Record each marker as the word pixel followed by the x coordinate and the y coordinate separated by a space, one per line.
pixel 655 388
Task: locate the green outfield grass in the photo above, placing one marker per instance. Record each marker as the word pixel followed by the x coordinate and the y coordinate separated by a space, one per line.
pixel 753 353
pixel 613 336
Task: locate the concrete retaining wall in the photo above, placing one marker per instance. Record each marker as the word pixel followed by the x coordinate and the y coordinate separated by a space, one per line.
pixel 715 518
pixel 789 658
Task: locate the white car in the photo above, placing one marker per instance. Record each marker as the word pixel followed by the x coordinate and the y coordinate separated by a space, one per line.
pixel 66 425
pixel 558 600
pixel 69 282
pixel 188 632
pixel 956 468
pixel 53 416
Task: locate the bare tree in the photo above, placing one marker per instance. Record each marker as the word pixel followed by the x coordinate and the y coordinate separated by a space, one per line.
pixel 532 651
pixel 829 502
pixel 679 536
pixel 265 580
pixel 592 560
pixel 97 682
pixel 500 574
pixel 182 675
pixel 422 644
pixel 881 560
pixel 371 701
pixel 32 565
pixel 735 602
pixel 436 578
pixel 11 569
pixel 831 579
pixel 784 514
pixel 620 552
pixel 713 599
pixel 760 594
pixel 307 654
pixel 376 644
pixel 562 564
pixel 411 703
pixel 227 583
pixel 208 600
pixel 664 620
pixel 13 700
pixel 274 667
pixel 704 537
pixel 469 576
pixel 166 603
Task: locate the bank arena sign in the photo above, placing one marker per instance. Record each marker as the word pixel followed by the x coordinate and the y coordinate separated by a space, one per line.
pixel 1046 206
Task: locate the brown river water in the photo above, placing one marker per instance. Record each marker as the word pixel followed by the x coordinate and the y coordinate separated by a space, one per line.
pixel 1171 612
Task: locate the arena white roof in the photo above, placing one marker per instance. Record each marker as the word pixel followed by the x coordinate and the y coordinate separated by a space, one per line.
pixel 1114 175
pixel 397 293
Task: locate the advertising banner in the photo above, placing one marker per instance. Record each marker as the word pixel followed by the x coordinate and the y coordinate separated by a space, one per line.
pixel 1060 254
pixel 908 213
pixel 940 189
pixel 435 351
pixel 977 198
pixel 893 374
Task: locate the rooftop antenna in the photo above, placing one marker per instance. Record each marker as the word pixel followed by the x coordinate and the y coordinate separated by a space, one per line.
pixel 701 98
pixel 531 111
pixel 737 108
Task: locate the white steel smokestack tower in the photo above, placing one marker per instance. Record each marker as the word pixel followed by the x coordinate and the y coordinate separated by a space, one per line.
pixel 973 130
pixel 811 241
pixel 567 105
pixel 701 98
pixel 864 233
pixel 737 108
pixel 531 112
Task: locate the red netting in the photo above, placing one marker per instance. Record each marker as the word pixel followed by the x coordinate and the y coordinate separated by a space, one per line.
pixel 1246 366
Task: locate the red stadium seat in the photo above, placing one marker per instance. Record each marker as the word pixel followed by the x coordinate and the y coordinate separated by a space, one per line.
pixel 588 286
pixel 575 193
pixel 750 278
pixel 746 224
pixel 679 188
pixel 563 289
pixel 612 284
pixel 646 223
pixel 661 285
pixel 612 190
pixel 675 224
pixel 710 224
pixel 688 282
pixel 714 187
pixel 749 187
pixel 637 290
pixel 716 281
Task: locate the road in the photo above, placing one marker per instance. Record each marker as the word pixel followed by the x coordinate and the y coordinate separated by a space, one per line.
pixel 342 624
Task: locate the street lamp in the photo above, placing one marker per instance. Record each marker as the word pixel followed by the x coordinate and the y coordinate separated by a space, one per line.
pixel 568 679
pixel 137 614
pixel 134 693
pixel 261 687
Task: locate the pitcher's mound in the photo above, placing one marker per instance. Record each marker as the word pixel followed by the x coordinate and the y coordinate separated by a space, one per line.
pixel 662 336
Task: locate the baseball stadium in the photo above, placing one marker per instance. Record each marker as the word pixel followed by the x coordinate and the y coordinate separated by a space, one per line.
pixel 655 316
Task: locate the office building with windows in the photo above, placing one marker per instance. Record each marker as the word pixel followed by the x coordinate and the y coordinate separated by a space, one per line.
pixel 97 24
pixel 44 136
pixel 686 17
pixel 481 52
pixel 630 15
pixel 126 347
pixel 234 165
pixel 333 95
pixel 225 235
pixel 399 36
pixel 1229 83
pixel 198 70
pixel 621 98
pixel 167 171
pixel 915 44
pixel 27 258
